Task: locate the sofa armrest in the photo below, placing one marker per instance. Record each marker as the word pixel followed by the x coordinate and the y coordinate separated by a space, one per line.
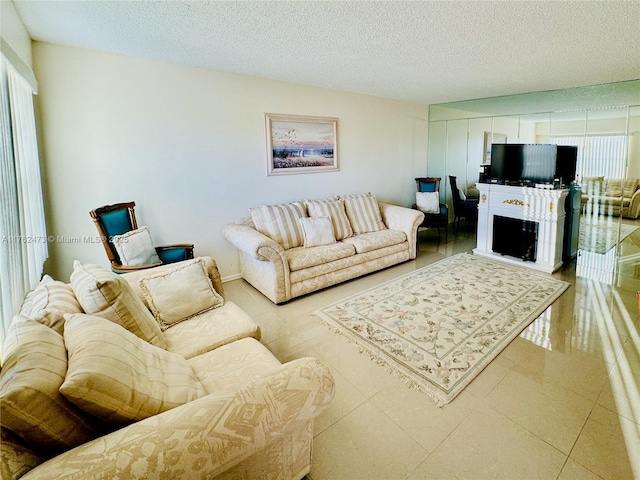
pixel 252 242
pixel 634 205
pixel 206 437
pixel 404 219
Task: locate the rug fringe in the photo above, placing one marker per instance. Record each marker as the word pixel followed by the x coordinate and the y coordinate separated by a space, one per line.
pixel 389 368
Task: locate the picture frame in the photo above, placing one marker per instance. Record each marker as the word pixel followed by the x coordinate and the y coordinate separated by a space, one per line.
pixel 489 138
pixel 301 144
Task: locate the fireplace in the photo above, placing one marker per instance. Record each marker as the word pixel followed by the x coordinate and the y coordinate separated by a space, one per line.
pixel 515 237
pixel 522 225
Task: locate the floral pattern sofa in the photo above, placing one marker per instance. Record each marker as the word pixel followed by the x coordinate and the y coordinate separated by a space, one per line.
pixel 289 250
pixel 150 375
pixel 611 196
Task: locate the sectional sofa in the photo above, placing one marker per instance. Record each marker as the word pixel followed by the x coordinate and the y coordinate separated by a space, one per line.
pixel 150 375
pixel 292 249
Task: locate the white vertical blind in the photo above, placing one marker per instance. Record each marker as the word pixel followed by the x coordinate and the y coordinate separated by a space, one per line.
pixel 23 236
pixel 598 155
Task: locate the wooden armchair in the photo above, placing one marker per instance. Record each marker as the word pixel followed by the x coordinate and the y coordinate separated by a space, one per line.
pixel 119 219
pixel 434 220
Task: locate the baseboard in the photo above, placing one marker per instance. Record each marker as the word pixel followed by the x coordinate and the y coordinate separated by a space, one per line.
pixel 231 277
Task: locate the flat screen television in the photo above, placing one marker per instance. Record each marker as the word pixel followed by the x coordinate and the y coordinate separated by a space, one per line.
pixel 523 163
pixel 566 162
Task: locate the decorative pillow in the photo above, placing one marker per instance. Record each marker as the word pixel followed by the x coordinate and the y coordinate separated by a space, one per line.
pixel 630 187
pixel 333 208
pixel 136 248
pixel 35 365
pixel 592 185
pixel 118 377
pixel 613 187
pixel 103 293
pixel 428 202
pixel 180 293
pixel 280 222
pixel 317 231
pixel 462 195
pixel 364 213
pixel 50 301
pixel 26 307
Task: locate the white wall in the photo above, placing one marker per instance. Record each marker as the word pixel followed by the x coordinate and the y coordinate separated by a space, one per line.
pixel 188 146
pixel 13 32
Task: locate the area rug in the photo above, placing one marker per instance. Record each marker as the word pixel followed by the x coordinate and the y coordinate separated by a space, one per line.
pixel 438 327
pixel 599 235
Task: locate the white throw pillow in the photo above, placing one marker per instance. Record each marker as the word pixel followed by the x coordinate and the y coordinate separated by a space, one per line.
pixel 136 248
pixel 462 195
pixel 428 202
pixel 180 293
pixel 317 231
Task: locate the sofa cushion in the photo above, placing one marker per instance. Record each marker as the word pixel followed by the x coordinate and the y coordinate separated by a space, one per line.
pixel 364 213
pixel 613 187
pixel 299 258
pixel 35 365
pixel 231 366
pixel 334 208
pixel 103 293
pixel 51 300
pixel 317 231
pixel 280 222
pixel 210 330
pixel 593 185
pixel 116 376
pixel 180 293
pixel 368 242
pixel 135 248
pixel 630 187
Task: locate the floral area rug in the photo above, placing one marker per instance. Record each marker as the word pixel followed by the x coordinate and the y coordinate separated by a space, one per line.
pixel 438 327
pixel 600 235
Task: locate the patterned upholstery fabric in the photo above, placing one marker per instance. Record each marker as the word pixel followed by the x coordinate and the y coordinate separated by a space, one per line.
pixel 280 222
pixel 303 257
pixel 51 300
pixel 613 187
pixel 210 330
pixel 630 187
pixel 103 293
pixel 334 208
pixel 118 377
pixel 211 436
pixel 35 365
pixel 364 213
pixel 180 293
pixel 367 242
pixel 16 458
pixel 232 365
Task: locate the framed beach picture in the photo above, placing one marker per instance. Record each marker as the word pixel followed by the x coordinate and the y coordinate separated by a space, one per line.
pixel 301 144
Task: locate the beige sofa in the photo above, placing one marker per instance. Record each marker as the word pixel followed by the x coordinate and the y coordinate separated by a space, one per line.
pixel 366 236
pixel 611 196
pixel 226 407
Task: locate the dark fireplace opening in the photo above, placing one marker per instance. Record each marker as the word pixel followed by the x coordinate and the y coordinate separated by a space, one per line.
pixel 515 237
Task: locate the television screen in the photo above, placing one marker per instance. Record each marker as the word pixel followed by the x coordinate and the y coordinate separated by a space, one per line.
pixel 522 164
pixel 566 162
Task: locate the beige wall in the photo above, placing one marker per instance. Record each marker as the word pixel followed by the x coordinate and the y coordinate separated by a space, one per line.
pixel 13 31
pixel 188 146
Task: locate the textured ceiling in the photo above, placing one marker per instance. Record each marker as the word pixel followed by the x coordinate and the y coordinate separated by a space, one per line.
pixel 422 51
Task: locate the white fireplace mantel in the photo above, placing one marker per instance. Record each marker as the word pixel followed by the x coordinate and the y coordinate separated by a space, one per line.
pixel 541 205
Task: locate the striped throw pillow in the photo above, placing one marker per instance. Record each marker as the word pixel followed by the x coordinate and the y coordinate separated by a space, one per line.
pixel 333 208
pixel 118 377
pixel 50 302
pixel 364 213
pixel 281 223
pixel 103 293
pixel 35 365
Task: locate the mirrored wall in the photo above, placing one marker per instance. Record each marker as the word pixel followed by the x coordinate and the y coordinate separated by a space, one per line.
pixel 603 121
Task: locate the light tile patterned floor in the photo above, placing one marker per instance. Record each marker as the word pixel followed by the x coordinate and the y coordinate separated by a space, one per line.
pixel 562 401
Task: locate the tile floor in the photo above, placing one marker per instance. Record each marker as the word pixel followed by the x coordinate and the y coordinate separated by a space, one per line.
pixel 562 401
